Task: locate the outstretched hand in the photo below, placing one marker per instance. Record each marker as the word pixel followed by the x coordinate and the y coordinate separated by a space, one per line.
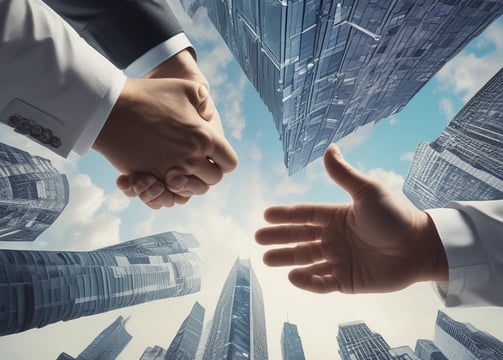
pixel 374 244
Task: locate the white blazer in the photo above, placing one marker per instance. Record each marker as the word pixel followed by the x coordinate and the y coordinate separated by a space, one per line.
pixel 54 87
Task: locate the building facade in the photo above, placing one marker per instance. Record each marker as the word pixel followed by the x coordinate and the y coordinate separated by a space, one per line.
pixel 184 345
pixel 107 345
pixel 357 342
pixel 325 68
pixel 153 353
pixel 291 343
pixel 463 341
pixel 238 330
pixel 32 194
pixel 38 288
pixel 427 350
pixel 464 162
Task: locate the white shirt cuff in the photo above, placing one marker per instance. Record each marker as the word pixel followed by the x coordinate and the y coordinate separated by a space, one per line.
pixel 157 55
pixel 96 123
pixel 468 269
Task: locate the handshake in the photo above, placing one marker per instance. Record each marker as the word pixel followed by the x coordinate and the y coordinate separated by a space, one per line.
pixel 165 136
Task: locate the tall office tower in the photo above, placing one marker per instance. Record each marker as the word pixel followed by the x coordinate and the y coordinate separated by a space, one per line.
pixel 32 194
pixel 464 341
pixel 153 353
pixel 427 350
pixel 403 353
pixel 238 329
pixel 38 288
pixel 325 67
pixel 464 162
pixel 291 344
pixel 357 342
pixel 184 345
pixel 107 345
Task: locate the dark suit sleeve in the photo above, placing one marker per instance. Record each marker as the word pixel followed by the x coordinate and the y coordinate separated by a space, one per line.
pixel 122 30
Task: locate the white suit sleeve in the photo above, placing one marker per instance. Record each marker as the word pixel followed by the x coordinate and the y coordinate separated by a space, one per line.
pixel 54 87
pixel 472 236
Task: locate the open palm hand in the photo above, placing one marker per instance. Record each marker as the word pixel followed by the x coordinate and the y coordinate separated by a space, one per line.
pixel 374 244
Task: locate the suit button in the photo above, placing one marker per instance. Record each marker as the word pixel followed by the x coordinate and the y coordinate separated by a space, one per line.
pixel 14 121
pixel 55 142
pixel 36 131
pixel 45 136
pixel 24 127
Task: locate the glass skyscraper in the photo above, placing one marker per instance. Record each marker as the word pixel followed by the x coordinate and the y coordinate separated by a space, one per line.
pixel 38 288
pixel 238 330
pixel 107 345
pixel 291 343
pixel 427 350
pixel 465 162
pixel 357 342
pixel 184 345
pixel 32 194
pixel 464 341
pixel 324 67
pixel 153 353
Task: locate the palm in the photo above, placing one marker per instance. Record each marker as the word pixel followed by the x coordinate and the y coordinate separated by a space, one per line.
pixel 373 244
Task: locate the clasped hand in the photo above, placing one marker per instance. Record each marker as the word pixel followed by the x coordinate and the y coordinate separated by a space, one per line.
pixel 165 136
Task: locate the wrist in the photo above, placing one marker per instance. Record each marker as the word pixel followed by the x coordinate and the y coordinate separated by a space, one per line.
pixel 435 265
pixel 182 66
pixel 104 138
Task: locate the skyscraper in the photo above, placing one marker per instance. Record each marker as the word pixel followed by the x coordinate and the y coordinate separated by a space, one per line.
pixel 153 353
pixel 32 194
pixel 324 67
pixel 357 342
pixel 184 345
pixel 238 330
pixel 464 162
pixel 427 350
pixel 107 345
pixel 291 344
pixel 38 288
pixel 464 341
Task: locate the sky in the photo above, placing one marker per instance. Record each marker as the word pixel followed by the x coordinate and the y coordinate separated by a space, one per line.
pixel 225 219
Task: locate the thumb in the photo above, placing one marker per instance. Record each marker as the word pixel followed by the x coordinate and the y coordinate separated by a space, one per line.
pixel 205 106
pixel 345 175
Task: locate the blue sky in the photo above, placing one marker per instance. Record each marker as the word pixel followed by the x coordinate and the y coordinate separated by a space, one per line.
pixel 225 219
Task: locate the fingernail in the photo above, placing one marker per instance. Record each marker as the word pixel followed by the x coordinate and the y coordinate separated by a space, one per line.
pixel 155 190
pixel 177 183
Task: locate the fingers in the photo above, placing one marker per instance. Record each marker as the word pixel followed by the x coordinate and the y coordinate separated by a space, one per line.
pixel 318 278
pixel 151 191
pixel 206 170
pixel 185 185
pixel 316 214
pixel 224 155
pixel 287 234
pixel 302 254
pixel 206 107
pixel 124 183
pixel 344 174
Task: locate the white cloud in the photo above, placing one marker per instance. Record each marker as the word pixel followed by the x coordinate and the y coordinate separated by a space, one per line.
pixel 390 180
pixel 356 138
pixel 408 156
pixel 447 108
pixel 230 102
pixel 468 72
pixel 393 120
pixel 288 186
